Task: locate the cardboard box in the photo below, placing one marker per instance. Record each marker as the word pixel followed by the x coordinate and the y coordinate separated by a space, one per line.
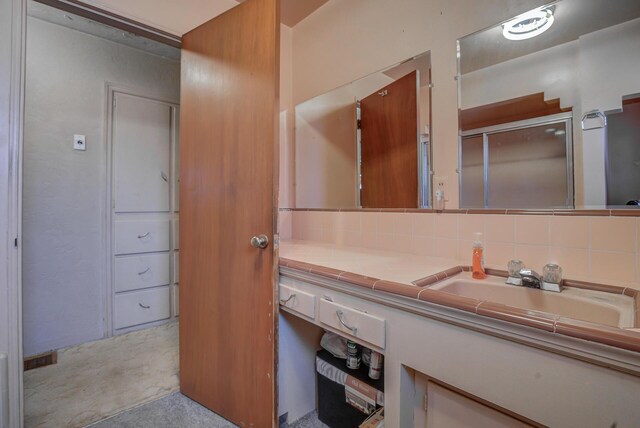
pixel 374 421
pixel 346 398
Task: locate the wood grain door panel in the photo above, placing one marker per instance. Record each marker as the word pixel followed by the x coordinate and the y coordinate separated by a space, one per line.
pixel 229 116
pixel 389 145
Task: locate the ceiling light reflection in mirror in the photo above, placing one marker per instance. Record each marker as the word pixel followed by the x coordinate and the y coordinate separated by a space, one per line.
pixel 586 62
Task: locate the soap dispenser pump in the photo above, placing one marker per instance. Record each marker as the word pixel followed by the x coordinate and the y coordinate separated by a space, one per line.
pixel 477 265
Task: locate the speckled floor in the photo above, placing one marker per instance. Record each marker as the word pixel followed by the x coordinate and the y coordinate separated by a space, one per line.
pixel 172 411
pixel 308 421
pixel 176 410
pixel 99 379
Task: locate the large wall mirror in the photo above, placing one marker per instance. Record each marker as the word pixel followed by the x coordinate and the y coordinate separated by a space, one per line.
pixel 550 108
pixel 366 144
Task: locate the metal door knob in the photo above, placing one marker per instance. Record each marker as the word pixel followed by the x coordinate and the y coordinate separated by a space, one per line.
pixel 260 241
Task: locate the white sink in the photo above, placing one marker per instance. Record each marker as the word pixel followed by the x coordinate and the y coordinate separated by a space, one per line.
pixel 610 309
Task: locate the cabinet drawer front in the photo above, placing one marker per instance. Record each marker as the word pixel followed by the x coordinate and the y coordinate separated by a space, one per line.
pixel 354 322
pixel 298 301
pixel 136 272
pixel 141 307
pixel 133 237
pixel 176 267
pixel 176 300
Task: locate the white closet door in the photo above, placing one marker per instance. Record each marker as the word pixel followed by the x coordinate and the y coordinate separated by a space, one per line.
pixel 141 154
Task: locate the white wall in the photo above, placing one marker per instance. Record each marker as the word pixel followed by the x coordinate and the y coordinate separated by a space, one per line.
pixel 609 65
pixel 553 71
pixel 64 285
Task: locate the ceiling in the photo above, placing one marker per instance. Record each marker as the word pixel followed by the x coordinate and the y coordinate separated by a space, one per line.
pixel 75 22
pixel 573 18
pixel 294 11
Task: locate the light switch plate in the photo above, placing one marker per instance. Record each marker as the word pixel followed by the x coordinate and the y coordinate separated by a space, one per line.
pixel 79 142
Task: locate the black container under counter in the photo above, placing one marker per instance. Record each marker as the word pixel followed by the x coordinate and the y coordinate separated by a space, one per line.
pixel 333 409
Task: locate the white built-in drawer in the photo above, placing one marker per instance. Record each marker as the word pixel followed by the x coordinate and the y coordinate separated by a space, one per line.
pixel 353 322
pixel 176 267
pixel 176 234
pixel 141 236
pixel 143 271
pixel 298 301
pixel 176 300
pixel 139 307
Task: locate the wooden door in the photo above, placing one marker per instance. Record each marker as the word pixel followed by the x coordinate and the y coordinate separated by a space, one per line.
pixel 389 145
pixel 228 130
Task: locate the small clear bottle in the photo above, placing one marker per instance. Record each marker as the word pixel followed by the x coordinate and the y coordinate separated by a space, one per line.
pixel 477 264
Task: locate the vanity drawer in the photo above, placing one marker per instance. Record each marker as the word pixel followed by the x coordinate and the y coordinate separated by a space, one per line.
pixel 141 236
pixel 298 301
pixel 353 322
pixel 144 271
pixel 139 307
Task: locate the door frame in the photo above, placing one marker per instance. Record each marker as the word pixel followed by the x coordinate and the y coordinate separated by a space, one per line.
pixel 111 89
pixel 11 186
pixel 12 226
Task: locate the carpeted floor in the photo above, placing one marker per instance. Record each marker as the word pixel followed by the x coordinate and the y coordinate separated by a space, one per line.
pixel 176 410
pixel 171 411
pixel 308 421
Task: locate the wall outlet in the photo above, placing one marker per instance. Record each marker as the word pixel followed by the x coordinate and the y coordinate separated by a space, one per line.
pixel 79 142
pixel 440 182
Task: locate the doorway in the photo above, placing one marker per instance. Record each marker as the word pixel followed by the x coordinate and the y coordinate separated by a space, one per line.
pixel 99 293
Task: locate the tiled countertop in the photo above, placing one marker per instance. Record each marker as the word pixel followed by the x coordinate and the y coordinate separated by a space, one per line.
pixel 389 266
pixel 409 276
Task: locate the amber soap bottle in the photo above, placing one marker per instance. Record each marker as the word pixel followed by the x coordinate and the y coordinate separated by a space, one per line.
pixel 477 264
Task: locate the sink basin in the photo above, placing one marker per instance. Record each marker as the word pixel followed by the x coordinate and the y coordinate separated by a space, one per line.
pixel 615 310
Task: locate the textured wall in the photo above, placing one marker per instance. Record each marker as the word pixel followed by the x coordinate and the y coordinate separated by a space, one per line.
pixel 64 197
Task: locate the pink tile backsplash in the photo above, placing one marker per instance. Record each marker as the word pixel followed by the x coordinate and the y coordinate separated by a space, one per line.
pixel 496 254
pixel 574 261
pixel 601 249
pixel 617 268
pixel 533 256
pixel 569 231
pixel 422 224
pixel 468 225
pixel 532 229
pixel 499 228
pixel 613 233
pixel 445 226
pixel 349 221
pixel 445 247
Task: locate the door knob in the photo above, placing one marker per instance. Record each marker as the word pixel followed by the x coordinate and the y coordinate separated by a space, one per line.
pixel 260 241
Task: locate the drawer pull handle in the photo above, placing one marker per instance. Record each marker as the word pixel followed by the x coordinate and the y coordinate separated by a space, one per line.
pixel 144 271
pixel 144 236
pixel 143 306
pixel 354 330
pixel 285 301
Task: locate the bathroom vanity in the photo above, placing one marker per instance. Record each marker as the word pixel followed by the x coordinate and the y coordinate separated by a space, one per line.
pixel 459 350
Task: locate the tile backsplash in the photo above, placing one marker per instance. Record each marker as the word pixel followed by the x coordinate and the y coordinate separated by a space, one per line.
pixel 597 249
